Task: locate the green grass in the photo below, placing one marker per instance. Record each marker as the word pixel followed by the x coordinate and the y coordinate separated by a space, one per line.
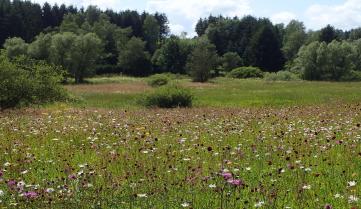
pixel 238 93
pixel 291 144
pixel 292 157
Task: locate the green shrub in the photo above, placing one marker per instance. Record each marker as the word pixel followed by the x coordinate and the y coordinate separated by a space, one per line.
pixel 158 80
pixel 246 72
pixel 281 76
pixel 352 76
pixel 169 96
pixel 25 82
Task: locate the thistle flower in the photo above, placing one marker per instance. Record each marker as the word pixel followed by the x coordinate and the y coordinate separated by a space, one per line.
pixel 30 194
pixel 226 175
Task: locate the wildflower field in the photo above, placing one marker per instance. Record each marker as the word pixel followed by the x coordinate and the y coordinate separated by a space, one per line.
pixel 292 156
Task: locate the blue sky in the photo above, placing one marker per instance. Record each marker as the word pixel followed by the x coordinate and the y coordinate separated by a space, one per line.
pixel 183 14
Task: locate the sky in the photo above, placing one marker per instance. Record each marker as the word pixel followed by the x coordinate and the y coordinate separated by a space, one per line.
pixel 184 14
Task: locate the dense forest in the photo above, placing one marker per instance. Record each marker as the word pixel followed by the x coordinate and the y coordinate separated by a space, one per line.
pixel 90 41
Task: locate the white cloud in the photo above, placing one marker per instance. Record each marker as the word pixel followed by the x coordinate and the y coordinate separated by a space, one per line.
pixel 176 29
pixel 187 12
pixel 192 9
pixel 344 16
pixel 283 17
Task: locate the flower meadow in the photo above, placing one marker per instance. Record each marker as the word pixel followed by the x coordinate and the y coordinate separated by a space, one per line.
pixel 290 157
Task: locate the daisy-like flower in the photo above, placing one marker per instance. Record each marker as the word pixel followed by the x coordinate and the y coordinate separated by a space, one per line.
pixel 185 205
pixel 351 183
pixel 352 199
pixel 24 172
pixel 2 193
pixel 259 204
pixel 49 190
pixel 212 186
pixel 306 187
pixel 337 195
pixel 248 168
pixel 142 195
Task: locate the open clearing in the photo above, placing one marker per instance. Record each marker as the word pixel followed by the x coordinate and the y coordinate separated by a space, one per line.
pixel 245 144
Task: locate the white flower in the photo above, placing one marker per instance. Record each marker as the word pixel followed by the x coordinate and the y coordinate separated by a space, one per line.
pixel 184 205
pixel 259 204
pixel 351 183
pixel 25 172
pixel 306 187
pixel 89 185
pixel 7 164
pixel 212 186
pixel 352 198
pixel 248 168
pixel 337 195
pixel 2 193
pixel 308 169
pixel 50 190
pixel 142 195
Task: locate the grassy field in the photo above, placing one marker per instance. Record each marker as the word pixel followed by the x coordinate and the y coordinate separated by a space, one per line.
pixel 123 92
pixel 245 144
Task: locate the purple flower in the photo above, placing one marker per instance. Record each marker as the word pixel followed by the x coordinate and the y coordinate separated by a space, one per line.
pixel 227 175
pixel 235 182
pixel 12 184
pixel 30 194
pixel 328 206
pixel 72 176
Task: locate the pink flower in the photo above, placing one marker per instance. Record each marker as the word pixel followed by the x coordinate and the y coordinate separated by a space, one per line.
pixel 1 174
pixel 12 184
pixel 30 194
pixel 227 175
pixel 328 206
pixel 72 176
pixel 235 182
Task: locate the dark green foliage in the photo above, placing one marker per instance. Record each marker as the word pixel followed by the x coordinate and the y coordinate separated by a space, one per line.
pixel 107 69
pixel 352 76
pixel 25 82
pixel 246 72
pixel 134 59
pixel 327 34
pixel 158 80
pixel 230 60
pixel 264 50
pixel 172 56
pixel 151 30
pixel 170 96
pixel 202 61
pixel 281 76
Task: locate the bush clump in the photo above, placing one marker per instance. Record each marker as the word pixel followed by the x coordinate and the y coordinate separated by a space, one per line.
pixel 281 76
pixel 158 80
pixel 24 82
pixel 246 72
pixel 170 96
pixel 352 76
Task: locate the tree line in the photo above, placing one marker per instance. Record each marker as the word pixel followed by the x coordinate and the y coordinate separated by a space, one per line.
pixel 89 41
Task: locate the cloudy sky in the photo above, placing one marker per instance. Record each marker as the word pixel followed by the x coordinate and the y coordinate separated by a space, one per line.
pixel 183 14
